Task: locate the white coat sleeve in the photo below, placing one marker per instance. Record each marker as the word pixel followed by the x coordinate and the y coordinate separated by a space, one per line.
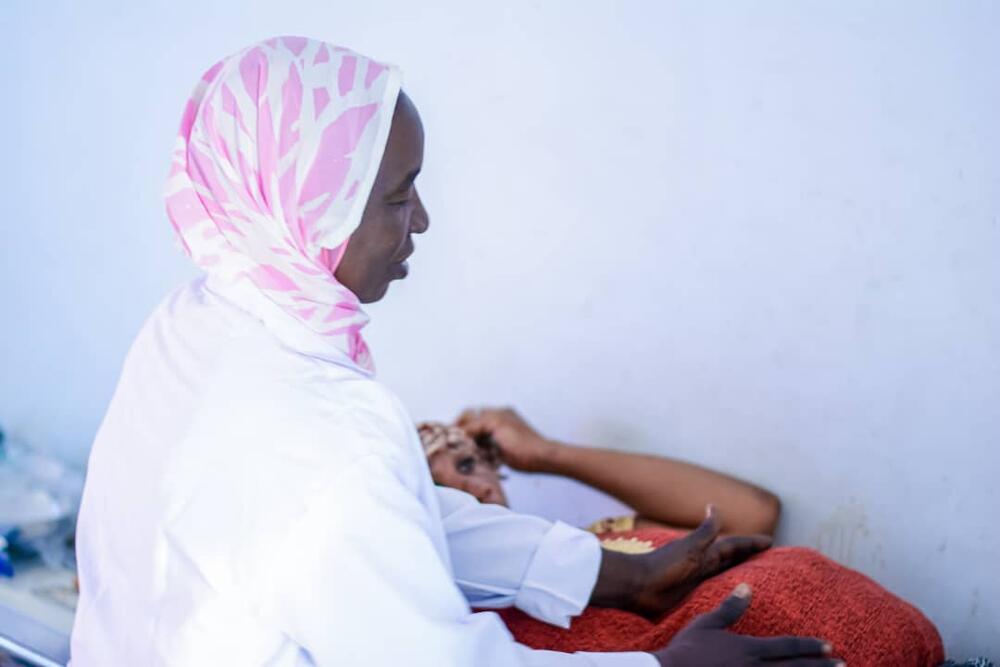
pixel 365 585
pixel 501 558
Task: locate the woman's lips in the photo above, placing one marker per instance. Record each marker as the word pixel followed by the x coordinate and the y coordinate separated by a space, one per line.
pixel 401 269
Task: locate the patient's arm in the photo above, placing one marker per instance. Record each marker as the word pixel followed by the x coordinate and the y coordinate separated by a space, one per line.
pixel 661 490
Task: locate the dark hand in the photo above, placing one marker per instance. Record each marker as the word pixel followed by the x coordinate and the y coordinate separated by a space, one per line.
pixel 665 576
pixel 705 642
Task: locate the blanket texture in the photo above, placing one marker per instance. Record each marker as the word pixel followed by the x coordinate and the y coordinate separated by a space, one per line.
pixel 797 591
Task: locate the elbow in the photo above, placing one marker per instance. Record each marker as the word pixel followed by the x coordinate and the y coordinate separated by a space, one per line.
pixel 760 515
pixel 769 512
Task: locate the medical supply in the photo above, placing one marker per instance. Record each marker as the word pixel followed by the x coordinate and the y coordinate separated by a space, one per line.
pixel 39 496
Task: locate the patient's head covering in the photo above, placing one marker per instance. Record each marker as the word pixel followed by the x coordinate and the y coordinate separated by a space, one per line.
pixel 436 437
pixel 277 152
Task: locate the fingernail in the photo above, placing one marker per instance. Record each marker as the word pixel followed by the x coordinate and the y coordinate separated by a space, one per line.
pixel 709 510
pixel 841 664
pixel 827 648
pixel 742 591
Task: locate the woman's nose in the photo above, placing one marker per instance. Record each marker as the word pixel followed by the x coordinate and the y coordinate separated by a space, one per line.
pixel 419 221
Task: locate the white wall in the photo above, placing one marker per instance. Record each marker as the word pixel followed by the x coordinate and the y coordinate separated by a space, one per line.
pixel 762 236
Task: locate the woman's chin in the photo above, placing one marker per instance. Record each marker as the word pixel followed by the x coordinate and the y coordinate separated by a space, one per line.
pixel 397 271
pixel 374 294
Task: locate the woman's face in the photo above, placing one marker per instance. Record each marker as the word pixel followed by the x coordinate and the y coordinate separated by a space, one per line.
pixel 377 250
pixel 462 465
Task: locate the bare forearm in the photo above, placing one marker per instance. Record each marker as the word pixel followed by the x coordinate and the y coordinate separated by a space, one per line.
pixel 666 490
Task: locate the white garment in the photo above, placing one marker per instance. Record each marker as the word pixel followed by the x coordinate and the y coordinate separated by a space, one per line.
pixel 254 498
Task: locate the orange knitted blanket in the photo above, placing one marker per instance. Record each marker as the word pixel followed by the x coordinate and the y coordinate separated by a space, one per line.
pixel 796 591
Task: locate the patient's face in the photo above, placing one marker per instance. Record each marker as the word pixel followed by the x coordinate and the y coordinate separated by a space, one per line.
pixel 462 464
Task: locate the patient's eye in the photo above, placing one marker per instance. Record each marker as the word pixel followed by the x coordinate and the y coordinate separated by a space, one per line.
pixel 466 465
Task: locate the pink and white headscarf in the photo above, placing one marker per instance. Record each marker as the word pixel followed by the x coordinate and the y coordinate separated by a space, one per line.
pixel 277 152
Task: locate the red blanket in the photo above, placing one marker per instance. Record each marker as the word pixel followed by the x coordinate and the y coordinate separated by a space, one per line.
pixel 795 591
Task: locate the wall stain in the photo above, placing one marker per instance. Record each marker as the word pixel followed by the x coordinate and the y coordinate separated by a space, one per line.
pixel 837 535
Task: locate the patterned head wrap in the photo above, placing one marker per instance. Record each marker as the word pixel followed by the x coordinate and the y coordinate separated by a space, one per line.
pixel 436 436
pixel 277 152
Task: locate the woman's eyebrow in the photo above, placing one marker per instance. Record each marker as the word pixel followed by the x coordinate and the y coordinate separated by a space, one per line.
pixel 408 181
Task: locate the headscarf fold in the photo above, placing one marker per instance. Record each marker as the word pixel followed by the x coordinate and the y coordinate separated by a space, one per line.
pixel 277 152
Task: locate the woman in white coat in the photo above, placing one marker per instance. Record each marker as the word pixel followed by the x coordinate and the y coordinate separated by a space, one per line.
pixel 254 496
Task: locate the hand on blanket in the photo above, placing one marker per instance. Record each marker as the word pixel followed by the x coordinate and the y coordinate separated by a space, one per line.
pixel 673 570
pixel 654 583
pixel 706 642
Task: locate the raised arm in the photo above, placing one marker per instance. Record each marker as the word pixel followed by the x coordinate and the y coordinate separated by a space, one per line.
pixel 662 490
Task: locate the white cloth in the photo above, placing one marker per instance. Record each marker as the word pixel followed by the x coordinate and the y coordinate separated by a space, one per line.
pixel 254 498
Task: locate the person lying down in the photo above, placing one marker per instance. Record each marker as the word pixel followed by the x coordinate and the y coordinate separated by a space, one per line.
pixel 663 492
pixel 797 591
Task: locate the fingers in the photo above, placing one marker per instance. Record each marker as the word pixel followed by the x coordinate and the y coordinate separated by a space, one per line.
pixel 468 416
pixel 727 613
pixel 771 648
pixel 703 536
pixel 794 651
pixel 476 421
pixel 728 551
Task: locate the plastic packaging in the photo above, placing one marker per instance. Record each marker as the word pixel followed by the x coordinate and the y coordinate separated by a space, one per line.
pixel 39 498
pixel 6 569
